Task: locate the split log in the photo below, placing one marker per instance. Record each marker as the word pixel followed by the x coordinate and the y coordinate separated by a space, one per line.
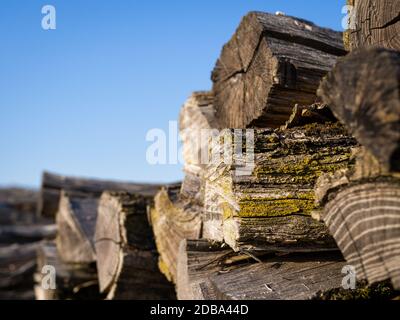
pixel 270 64
pixel 196 122
pixel 362 212
pixel 73 281
pixel 208 271
pixel 373 23
pixel 126 255
pixel 269 207
pixel 76 221
pixel 26 233
pixel 53 184
pixel 361 206
pixel 197 260
pixel 174 218
pixel 363 91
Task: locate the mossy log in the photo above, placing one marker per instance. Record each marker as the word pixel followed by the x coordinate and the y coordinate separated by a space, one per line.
pixel 271 63
pixel 53 184
pixel 270 207
pixel 174 217
pixel 126 252
pixel 210 271
pixel 373 23
pixel 76 221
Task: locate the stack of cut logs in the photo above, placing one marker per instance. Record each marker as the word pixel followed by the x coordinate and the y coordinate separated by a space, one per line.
pixel 291 188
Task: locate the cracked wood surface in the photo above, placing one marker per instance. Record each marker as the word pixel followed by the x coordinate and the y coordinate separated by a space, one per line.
pixel 270 64
pixel 126 253
pixel 377 23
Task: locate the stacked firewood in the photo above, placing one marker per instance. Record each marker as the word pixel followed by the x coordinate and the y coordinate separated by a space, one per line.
pixel 299 183
pixel 104 246
pixel 291 187
pixel 21 233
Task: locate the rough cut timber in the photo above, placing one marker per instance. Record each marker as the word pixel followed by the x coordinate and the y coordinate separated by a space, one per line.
pixel 374 23
pixel 196 119
pixel 177 212
pixel 126 254
pixel 76 221
pixel 270 64
pixel 197 260
pixel 73 281
pixel 173 219
pixel 362 211
pixel 270 207
pixel 52 185
pixel 209 271
pixel 196 122
pixel 363 91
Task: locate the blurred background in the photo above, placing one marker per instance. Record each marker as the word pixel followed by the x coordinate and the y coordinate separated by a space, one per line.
pixel 80 99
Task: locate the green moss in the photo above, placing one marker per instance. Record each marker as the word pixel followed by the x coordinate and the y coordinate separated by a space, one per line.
pixel 307 170
pixel 276 207
pixel 380 291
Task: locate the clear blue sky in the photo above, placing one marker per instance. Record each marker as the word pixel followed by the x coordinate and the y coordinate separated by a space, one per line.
pixel 79 100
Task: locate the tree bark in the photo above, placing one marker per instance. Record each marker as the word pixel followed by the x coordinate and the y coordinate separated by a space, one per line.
pixel 270 64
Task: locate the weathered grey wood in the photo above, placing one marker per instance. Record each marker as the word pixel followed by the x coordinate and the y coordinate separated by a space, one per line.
pixel 76 221
pixel 173 219
pixel 363 91
pixel 270 64
pixel 281 278
pixel 196 118
pixel 361 209
pixel 197 260
pixel 374 23
pixel 365 221
pixel 196 122
pixel 270 206
pixel 73 281
pixel 126 254
pixel 52 185
pixel 17 206
pixel 26 233
pixel 17 265
pixel 210 271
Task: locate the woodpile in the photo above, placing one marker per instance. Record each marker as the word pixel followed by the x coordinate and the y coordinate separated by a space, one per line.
pixel 20 235
pixel 127 259
pixel 291 187
pixel 361 204
pixel 271 63
pixel 277 209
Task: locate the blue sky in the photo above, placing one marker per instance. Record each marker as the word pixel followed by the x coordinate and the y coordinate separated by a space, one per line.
pixel 80 99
